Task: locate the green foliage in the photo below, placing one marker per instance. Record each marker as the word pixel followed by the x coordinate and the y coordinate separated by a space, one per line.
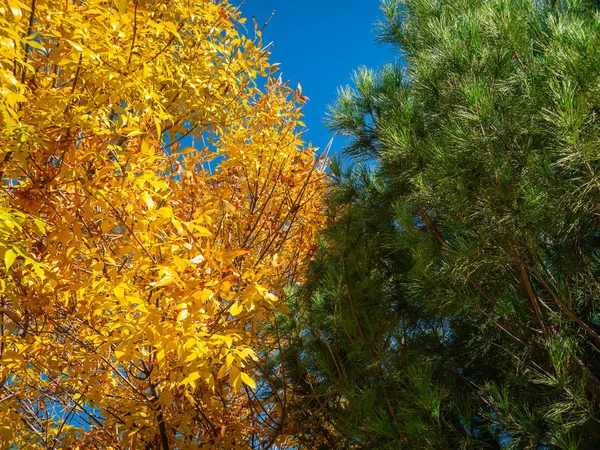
pixel 453 302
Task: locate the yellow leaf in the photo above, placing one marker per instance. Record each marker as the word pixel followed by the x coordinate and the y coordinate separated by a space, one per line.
pixel 197 259
pixel 233 254
pixel 177 224
pixel 15 9
pixel 158 129
pixel 41 226
pixel 192 377
pixel 106 226
pixel 234 378
pixel 119 292
pixel 189 398
pixel 9 258
pixel 191 357
pixel 190 343
pixel 182 315
pixel 123 6
pixel 222 372
pixel 271 297
pixel 200 230
pixel 237 383
pixel 148 200
pixel 236 308
pixel 135 133
pixel 75 45
pixel 165 281
pixel 249 381
pixel 228 341
pixel 97 267
pixel 181 264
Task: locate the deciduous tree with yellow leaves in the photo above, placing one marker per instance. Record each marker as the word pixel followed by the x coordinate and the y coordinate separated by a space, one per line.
pixel 136 269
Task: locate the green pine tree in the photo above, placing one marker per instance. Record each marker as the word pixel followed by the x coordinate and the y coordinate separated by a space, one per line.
pixel 455 299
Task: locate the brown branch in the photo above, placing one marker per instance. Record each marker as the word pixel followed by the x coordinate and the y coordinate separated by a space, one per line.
pixel 134 32
pixel 528 288
pixel 431 226
pixel 27 47
pixel 164 439
pixel 564 307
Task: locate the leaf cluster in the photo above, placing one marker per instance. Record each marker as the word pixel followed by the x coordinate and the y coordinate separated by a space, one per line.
pixel 137 270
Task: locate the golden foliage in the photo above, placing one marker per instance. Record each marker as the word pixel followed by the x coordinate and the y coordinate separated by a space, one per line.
pixel 136 271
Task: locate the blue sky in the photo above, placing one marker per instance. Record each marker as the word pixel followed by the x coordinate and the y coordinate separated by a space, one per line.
pixel 319 43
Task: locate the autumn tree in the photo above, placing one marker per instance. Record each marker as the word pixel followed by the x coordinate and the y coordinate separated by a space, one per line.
pixel 155 201
pixel 453 303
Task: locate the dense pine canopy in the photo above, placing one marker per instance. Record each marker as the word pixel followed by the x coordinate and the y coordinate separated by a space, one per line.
pixel 453 302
